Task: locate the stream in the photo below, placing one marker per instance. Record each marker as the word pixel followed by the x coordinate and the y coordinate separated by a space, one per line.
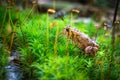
pixel 14 71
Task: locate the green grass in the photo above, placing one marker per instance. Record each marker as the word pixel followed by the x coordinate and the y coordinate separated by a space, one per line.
pixel 44 54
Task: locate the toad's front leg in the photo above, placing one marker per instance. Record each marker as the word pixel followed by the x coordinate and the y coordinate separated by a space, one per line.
pixel 91 50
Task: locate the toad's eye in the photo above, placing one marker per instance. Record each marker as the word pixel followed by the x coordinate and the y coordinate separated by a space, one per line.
pixel 67 29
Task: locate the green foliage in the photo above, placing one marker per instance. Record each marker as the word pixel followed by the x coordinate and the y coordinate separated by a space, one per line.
pixel 3 62
pixel 70 63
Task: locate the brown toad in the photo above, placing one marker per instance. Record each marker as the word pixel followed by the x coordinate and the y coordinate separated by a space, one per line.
pixel 81 40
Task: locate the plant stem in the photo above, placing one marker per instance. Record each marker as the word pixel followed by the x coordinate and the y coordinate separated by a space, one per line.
pixel 24 40
pixel 53 4
pixel 27 16
pixel 55 44
pixel 26 4
pixel 47 34
pixel 71 17
pixel 12 33
pixel 3 22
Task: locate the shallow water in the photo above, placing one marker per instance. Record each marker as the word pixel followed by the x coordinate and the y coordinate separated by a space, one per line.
pixel 13 69
pixel 14 72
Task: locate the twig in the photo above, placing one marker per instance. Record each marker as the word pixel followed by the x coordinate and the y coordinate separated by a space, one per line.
pixel 114 19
